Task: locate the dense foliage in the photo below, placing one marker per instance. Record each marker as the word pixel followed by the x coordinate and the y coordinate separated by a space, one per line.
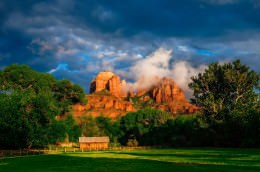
pixel 230 104
pixel 29 104
pixel 22 78
pixel 226 93
pixel 137 126
pixel 224 88
pixel 100 126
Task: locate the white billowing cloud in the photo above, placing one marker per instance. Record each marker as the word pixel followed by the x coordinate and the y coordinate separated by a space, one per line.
pixel 182 72
pixel 147 71
pixel 155 65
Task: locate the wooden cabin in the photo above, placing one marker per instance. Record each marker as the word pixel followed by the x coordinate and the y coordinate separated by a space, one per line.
pixel 94 143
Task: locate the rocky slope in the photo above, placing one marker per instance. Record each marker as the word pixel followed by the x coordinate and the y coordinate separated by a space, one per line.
pixel 112 97
pixel 107 105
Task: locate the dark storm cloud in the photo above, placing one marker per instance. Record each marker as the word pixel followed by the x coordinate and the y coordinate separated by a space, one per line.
pixel 180 18
pixel 76 39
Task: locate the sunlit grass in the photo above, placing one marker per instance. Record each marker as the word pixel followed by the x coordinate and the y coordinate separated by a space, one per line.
pixel 190 156
pixel 140 160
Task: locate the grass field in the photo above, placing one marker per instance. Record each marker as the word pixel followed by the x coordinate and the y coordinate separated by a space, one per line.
pixel 157 160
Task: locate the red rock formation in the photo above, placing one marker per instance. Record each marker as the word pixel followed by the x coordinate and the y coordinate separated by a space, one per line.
pixel 103 104
pixel 142 91
pixel 101 81
pixel 107 80
pixel 168 97
pixel 167 91
pixel 163 94
pixel 114 86
pixel 124 90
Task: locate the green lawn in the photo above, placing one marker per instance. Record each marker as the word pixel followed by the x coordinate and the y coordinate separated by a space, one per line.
pixel 156 160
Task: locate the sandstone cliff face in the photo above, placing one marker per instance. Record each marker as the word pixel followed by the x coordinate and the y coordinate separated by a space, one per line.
pixel 103 104
pixel 107 80
pixel 101 81
pixel 167 91
pixel 114 86
pixel 124 90
pixel 167 96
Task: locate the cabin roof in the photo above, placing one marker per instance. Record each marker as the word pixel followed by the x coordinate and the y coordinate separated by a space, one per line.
pixel 94 139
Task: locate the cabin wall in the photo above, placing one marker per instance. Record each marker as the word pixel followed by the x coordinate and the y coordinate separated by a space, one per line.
pixel 93 146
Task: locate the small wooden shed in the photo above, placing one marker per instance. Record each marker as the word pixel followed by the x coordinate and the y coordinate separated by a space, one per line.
pixel 94 143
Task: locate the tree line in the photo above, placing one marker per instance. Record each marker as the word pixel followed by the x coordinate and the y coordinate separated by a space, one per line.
pixel 34 112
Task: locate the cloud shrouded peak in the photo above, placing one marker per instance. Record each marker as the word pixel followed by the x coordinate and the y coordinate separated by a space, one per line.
pixel 148 71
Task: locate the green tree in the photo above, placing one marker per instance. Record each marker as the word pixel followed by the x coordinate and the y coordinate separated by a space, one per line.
pixel 22 78
pixel 12 123
pixel 89 126
pixel 68 93
pixel 223 88
pixel 100 126
pixel 73 130
pixel 25 119
pixel 108 127
pixel 29 104
pixel 57 131
pixel 137 125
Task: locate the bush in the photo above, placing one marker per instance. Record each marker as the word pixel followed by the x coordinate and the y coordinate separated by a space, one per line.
pixel 132 143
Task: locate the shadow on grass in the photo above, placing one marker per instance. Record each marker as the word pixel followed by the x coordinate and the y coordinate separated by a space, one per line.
pixel 65 162
pixel 232 158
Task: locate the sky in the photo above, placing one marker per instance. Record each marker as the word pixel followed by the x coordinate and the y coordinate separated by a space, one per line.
pixel 133 38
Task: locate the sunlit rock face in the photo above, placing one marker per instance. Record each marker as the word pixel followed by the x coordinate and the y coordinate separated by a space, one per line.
pixel 107 80
pixel 167 91
pixel 101 104
pixel 113 97
pixel 107 93
pixel 167 96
